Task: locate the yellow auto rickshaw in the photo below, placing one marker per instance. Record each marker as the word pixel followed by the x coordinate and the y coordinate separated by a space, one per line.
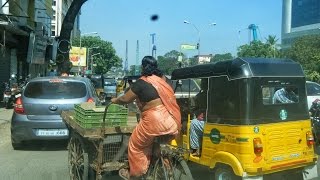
pixel 246 133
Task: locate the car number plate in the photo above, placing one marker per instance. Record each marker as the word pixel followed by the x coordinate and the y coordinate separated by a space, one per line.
pixel 52 132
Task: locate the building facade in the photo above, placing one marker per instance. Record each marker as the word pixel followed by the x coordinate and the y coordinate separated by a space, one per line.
pixel 25 27
pixel 60 9
pixel 299 18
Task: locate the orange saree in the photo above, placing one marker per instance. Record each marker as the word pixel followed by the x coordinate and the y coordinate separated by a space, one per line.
pixel 159 120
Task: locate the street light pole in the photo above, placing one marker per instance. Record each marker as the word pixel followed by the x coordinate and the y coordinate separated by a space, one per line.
pixel 88 55
pixel 80 49
pixel 198 31
pixel 91 61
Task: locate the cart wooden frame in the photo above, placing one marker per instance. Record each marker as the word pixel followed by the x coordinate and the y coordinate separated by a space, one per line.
pixel 91 152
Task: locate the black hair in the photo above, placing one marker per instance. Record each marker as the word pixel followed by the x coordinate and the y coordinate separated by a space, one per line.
pixel 199 111
pixel 150 66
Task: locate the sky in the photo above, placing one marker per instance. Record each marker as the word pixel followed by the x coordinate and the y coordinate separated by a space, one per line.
pixel 119 20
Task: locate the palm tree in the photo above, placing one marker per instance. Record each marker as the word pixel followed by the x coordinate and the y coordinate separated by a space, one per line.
pixel 272 42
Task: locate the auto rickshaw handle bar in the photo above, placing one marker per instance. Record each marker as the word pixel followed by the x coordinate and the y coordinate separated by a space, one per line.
pixel 104 119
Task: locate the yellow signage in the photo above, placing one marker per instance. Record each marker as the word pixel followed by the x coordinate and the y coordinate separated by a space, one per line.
pixel 78 57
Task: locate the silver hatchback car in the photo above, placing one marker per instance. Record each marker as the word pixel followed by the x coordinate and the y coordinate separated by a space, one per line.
pixel 37 111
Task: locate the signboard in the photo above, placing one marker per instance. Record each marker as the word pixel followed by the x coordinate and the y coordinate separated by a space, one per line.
pixel 188 47
pixel 78 57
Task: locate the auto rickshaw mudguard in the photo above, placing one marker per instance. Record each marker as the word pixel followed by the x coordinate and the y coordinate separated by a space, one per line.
pixel 228 159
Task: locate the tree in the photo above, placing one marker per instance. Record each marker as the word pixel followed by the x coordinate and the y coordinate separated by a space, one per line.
pixel 306 51
pixel 221 57
pixel 64 65
pixel 169 61
pixel 134 70
pixel 107 57
pixel 260 49
pixel 272 42
pixel 255 49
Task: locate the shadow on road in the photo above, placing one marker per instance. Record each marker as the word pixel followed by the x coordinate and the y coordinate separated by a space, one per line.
pixel 44 146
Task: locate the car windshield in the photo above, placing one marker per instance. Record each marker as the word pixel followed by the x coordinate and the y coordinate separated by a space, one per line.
pixel 313 89
pixel 55 90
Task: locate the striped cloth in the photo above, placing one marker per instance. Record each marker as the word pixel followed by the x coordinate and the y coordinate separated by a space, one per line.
pixel 196 133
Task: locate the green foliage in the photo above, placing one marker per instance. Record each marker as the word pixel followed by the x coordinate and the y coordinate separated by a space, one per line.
pixel 107 57
pixel 133 71
pixel 221 57
pixel 169 61
pixel 260 49
pixel 312 75
pixel 306 51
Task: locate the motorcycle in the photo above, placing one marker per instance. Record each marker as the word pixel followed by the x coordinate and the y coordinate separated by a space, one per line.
pixel 315 119
pixel 15 93
pixel 6 94
pixel 12 93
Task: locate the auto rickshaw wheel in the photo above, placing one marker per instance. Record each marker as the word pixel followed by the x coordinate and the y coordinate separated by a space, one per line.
pixel 78 160
pixel 224 172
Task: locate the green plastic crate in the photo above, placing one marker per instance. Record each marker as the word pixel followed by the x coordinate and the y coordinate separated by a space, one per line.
pixel 113 108
pixel 116 108
pixel 110 121
pixel 92 118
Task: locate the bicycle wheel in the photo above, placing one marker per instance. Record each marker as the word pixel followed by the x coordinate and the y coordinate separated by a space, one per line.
pixel 159 170
pixel 180 169
pixel 171 168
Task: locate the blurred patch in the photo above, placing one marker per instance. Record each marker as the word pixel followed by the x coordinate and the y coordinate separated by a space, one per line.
pixel 154 17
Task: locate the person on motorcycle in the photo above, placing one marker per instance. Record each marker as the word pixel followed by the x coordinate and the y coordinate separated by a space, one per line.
pixel 315 107
pixel 160 115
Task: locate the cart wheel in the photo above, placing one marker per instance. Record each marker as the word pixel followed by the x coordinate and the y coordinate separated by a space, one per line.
pixel 78 160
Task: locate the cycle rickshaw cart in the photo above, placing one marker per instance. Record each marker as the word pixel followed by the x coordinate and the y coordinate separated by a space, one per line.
pixel 98 145
pixel 246 134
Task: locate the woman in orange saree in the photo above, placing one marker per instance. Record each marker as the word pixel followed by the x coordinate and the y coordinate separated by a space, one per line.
pixel 160 115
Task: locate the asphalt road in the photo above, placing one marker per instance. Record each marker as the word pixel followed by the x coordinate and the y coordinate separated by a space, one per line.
pixel 47 161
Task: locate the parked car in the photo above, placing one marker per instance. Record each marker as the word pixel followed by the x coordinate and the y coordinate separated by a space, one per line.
pixel 37 111
pixel 313 92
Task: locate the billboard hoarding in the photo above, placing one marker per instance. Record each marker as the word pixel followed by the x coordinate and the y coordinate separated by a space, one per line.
pixel 78 56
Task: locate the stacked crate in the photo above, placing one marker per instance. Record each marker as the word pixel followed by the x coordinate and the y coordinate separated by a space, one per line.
pixel 90 116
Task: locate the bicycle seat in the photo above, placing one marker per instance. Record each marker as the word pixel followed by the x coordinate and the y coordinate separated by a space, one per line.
pixel 163 139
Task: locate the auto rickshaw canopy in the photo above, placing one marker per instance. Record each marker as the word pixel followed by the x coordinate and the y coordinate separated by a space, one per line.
pixel 242 68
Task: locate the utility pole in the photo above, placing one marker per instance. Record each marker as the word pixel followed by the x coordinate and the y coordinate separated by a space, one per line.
pixel 137 59
pixel 154 48
pixel 126 62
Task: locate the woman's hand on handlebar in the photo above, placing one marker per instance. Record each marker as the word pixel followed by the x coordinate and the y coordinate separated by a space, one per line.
pixel 114 100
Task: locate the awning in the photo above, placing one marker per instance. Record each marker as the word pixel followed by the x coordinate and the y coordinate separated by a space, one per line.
pixel 13 29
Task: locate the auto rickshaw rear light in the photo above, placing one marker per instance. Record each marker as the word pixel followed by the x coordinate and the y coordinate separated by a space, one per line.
pixel 90 100
pixel 310 139
pixel 18 107
pixel 257 146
